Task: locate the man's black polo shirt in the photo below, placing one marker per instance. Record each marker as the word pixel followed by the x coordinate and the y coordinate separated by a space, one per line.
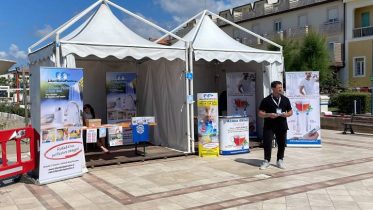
pixel 269 106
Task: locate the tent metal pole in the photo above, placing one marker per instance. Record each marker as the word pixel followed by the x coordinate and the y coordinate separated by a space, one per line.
pixel 191 93
pixel 120 45
pixel 247 31
pixel 177 28
pixel 63 25
pixel 143 20
pixel 198 26
pixel 189 139
pixel 58 61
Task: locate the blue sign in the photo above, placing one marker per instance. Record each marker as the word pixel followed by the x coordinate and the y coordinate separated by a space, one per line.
pixel 189 75
pixel 140 133
pixel 190 99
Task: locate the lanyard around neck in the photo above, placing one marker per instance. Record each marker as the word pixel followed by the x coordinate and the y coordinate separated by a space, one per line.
pixel 277 103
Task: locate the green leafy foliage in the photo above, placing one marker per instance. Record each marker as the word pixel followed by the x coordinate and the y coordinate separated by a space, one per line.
pixel 310 54
pixel 7 108
pixel 291 52
pixel 345 102
pixel 315 57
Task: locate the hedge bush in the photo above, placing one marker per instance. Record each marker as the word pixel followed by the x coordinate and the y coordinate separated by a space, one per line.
pixel 345 102
pixel 12 109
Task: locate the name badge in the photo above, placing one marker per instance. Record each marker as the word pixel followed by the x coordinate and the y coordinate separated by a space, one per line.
pixel 278 111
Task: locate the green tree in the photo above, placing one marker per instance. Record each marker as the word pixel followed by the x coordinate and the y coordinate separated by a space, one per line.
pixel 310 54
pixel 290 50
pixel 315 56
pixel 3 81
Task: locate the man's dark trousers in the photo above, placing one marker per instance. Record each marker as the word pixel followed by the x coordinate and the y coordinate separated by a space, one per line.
pixel 267 143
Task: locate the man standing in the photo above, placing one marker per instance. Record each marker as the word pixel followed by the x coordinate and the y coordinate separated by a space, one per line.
pixel 275 108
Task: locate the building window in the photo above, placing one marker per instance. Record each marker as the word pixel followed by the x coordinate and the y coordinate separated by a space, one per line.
pixel 359 66
pixel 278 26
pixel 331 46
pixel 302 21
pixel 332 15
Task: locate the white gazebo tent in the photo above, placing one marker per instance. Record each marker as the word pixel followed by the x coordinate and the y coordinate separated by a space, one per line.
pixel 5 65
pixel 102 44
pixel 213 53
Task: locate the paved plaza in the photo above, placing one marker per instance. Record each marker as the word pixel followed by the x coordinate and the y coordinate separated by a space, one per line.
pixel 337 176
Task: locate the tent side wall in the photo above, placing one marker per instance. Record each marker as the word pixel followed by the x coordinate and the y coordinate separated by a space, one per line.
pixel 162 93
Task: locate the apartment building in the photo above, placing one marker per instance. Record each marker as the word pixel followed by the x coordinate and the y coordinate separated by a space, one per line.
pixel 290 19
pixel 359 43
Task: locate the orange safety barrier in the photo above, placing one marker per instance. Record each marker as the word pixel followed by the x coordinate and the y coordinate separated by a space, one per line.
pixel 19 167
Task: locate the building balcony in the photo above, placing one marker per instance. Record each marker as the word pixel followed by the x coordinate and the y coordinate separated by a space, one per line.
pixel 275 8
pixel 363 32
pixel 291 33
pixel 239 14
pixel 332 27
pixel 297 32
pixel 301 3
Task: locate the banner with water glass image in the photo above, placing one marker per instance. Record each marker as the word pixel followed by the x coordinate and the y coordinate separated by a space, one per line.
pixel 241 97
pixel 302 88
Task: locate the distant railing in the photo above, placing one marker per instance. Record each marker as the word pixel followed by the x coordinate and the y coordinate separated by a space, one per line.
pixel 363 31
pixel 267 9
pixel 332 27
pixel 301 3
pixel 295 32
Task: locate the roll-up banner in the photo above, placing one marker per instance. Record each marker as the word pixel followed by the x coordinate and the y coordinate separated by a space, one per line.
pixel 241 97
pixel 302 88
pixel 61 105
pixel 208 124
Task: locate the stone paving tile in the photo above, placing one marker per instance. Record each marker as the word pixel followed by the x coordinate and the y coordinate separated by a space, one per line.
pixel 12 207
pixel 324 182
pixel 274 206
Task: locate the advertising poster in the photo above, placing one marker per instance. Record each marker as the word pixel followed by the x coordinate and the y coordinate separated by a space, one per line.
pixel 121 100
pixel 208 124
pixel 115 136
pixel 61 147
pixel 121 96
pixel 302 88
pixel 241 97
pixel 91 136
pixel 234 135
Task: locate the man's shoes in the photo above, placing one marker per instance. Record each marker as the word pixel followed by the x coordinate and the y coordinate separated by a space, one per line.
pixel 264 165
pixel 281 164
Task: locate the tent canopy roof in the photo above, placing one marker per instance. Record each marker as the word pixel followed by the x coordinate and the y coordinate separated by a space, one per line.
pixel 5 66
pixel 209 42
pixel 104 35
